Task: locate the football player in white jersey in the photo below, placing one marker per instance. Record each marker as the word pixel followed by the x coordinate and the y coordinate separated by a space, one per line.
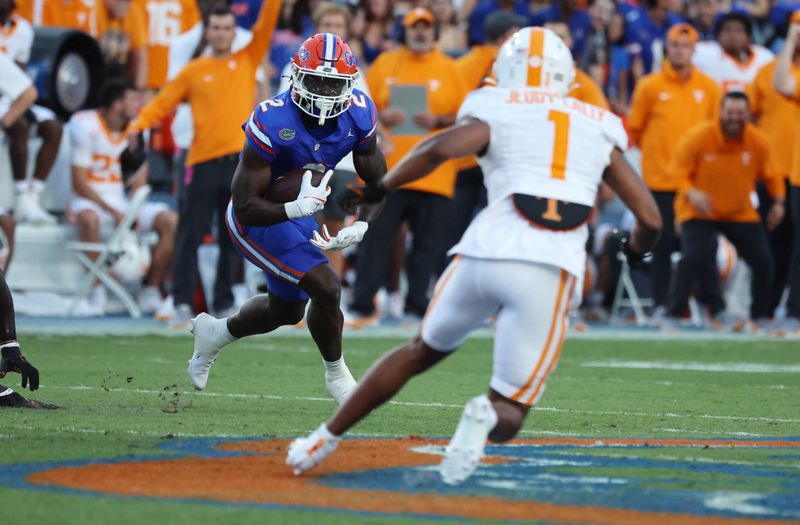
pixel 99 139
pixel 732 59
pixel 543 157
pixel 16 40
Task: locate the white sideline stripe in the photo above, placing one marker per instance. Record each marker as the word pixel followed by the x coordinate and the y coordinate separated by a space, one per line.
pixel 257 132
pixel 265 264
pixel 442 405
pixel 747 368
pixel 130 432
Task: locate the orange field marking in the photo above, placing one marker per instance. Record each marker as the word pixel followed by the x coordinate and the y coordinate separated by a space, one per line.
pixel 262 478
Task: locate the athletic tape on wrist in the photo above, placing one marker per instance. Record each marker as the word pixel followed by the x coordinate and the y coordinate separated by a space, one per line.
pixel 9 344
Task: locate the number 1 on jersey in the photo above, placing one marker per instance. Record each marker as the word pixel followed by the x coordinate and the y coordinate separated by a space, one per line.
pixel 560 121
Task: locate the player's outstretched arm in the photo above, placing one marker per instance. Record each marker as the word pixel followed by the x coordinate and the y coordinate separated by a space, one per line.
pixel 468 138
pixel 250 182
pixel 621 177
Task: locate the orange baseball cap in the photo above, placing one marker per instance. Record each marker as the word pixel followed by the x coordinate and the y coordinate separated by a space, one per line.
pixel 418 14
pixel 683 32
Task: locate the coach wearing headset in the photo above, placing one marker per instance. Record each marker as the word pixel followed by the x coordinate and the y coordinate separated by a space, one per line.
pixel 424 203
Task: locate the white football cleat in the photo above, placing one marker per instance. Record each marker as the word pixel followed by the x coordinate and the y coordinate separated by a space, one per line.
pixel 464 453
pixel 166 310
pixel 210 336
pixel 340 385
pixel 308 452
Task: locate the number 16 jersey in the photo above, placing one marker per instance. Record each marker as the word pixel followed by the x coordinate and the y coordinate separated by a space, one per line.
pixel 542 145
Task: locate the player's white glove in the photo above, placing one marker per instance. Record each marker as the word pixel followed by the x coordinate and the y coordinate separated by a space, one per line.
pixel 346 237
pixel 311 199
pixel 308 452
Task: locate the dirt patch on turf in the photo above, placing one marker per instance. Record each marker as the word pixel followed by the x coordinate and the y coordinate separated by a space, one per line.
pixel 261 477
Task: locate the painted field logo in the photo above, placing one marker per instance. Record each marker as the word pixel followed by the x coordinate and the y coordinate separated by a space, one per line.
pixel 559 480
pixel 287 134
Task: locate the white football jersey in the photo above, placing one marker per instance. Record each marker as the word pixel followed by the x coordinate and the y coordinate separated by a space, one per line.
pixel 542 145
pixel 16 39
pixel 731 75
pixel 97 148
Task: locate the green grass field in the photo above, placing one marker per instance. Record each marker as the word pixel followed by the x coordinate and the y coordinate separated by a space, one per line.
pixel 128 396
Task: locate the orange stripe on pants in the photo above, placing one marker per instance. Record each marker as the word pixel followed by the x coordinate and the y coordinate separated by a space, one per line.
pixel 538 390
pixel 561 285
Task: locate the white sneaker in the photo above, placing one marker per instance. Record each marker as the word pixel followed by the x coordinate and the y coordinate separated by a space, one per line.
pixel 210 336
pixel 308 452
pixel 166 310
pixel 149 300
pixel 28 209
pixel 182 317
pixel 340 385
pixel 463 454
pixel 98 299
pixel 392 305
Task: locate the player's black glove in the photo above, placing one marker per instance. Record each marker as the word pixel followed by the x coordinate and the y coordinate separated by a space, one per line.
pixel 356 194
pixel 14 361
pixel 635 259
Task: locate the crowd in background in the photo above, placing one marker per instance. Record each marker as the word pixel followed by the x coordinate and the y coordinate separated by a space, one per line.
pixel 663 65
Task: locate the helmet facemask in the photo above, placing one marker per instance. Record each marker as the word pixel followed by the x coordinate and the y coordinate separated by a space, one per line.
pixel 323 93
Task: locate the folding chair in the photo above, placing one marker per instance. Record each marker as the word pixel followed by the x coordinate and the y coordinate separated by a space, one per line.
pixel 626 286
pixel 107 251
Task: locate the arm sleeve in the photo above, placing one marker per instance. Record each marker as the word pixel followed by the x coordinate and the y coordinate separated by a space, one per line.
pixel 263 29
pixel 614 131
pixel 637 118
pixel 683 165
pixel 26 43
pixel 163 103
pixel 368 133
pixel 257 135
pixel 81 142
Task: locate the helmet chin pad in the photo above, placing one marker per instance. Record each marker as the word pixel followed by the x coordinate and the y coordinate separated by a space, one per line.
pixel 322 94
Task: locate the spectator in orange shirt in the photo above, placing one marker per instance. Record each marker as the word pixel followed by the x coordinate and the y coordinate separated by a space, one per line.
pixel 220 90
pixel 665 104
pixel 716 168
pixel 787 82
pixel 123 39
pixel 165 19
pixel 776 116
pixel 425 204
pixel 82 15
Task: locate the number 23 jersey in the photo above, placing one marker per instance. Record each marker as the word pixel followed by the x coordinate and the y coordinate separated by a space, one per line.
pixel 542 145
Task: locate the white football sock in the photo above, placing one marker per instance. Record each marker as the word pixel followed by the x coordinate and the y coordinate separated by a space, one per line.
pixel 37 186
pixel 335 368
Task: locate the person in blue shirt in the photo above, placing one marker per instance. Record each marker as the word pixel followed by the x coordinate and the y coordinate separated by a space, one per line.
pixel 570 12
pixel 647 30
pixel 486 8
pixel 314 124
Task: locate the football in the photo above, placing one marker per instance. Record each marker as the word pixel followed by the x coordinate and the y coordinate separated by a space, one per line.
pixel 286 187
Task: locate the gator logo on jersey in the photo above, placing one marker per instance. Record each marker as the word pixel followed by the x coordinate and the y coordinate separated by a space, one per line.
pixel 303 54
pixel 287 134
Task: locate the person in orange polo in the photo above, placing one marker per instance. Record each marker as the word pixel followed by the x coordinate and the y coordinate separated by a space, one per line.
pixel 715 169
pixel 776 117
pixel 787 82
pixel 425 204
pixel 220 89
pixel 664 105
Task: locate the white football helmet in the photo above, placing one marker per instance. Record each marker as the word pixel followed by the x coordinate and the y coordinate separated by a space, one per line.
pixel 535 57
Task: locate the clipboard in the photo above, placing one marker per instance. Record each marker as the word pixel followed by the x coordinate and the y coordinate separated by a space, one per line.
pixel 412 99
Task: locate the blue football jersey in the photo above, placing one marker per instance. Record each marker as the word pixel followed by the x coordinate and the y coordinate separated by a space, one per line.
pixel 276 131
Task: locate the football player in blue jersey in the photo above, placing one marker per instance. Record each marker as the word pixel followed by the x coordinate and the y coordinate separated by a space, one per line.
pixel 314 124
